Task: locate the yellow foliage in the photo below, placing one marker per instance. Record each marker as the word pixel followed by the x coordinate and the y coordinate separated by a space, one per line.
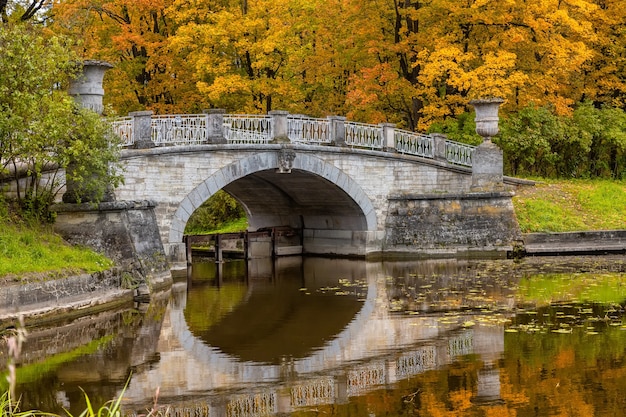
pixel 403 62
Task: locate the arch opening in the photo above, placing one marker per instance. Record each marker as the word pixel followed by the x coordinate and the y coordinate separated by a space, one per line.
pixel 316 198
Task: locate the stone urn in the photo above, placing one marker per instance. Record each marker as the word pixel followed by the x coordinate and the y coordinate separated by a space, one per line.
pixel 87 88
pixel 87 92
pixel 487 116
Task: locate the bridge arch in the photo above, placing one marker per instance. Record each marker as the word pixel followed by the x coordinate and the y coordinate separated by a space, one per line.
pixel 267 192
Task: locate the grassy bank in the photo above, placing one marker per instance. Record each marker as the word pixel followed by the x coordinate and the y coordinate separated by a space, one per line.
pixel 573 205
pixel 34 251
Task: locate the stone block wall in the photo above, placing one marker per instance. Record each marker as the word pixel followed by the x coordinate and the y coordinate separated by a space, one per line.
pixel 125 231
pixel 451 224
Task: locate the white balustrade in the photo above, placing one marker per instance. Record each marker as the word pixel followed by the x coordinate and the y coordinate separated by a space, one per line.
pixel 247 128
pixel 364 135
pixel 416 362
pixel 414 143
pixel 123 127
pixel 365 378
pixel 179 129
pixel 461 345
pixel 258 129
pixel 305 129
pixel 459 153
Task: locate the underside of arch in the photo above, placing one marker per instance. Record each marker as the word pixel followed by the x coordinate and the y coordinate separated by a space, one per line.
pixel 314 195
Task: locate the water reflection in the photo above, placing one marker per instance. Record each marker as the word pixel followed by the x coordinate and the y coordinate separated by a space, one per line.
pixel 344 337
pixel 274 315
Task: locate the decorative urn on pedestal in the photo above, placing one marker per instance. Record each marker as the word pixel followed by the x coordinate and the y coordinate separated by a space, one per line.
pixel 87 92
pixel 487 160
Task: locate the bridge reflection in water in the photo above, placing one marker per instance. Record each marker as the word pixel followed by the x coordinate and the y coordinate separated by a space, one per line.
pixel 305 333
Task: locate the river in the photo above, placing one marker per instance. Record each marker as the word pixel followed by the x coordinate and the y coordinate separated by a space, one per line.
pixel 341 337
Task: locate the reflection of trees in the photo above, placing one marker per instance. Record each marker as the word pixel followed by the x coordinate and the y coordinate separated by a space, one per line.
pixel 566 373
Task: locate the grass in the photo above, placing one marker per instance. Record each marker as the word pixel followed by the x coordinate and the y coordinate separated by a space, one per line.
pixel 34 250
pixel 237 225
pixel 571 205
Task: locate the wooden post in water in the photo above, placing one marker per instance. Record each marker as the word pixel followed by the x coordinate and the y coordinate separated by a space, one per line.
pixel 187 239
pixel 245 245
pixel 218 248
pixel 273 238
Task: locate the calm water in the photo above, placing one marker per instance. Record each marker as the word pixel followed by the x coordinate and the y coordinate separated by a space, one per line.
pixel 338 337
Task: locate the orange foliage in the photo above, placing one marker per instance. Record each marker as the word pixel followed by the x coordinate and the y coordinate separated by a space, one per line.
pixel 405 62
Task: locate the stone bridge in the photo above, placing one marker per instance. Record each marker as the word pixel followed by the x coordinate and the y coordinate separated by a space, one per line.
pixel 348 188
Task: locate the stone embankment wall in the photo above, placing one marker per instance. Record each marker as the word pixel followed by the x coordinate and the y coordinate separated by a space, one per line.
pixel 126 232
pixel 572 243
pixel 50 298
pixel 450 224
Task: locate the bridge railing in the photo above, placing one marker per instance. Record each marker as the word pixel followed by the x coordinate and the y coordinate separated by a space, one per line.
pixel 413 143
pixel 248 128
pixel 217 127
pixel 179 129
pixel 459 153
pixel 364 135
pixel 123 127
pixel 304 129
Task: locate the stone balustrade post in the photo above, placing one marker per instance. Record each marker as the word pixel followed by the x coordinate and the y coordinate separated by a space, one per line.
pixel 142 129
pixel 215 125
pixel 280 125
pixel 337 130
pixel 439 146
pixel 389 137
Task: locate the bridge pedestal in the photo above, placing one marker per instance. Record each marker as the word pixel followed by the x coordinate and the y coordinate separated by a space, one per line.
pixel 452 224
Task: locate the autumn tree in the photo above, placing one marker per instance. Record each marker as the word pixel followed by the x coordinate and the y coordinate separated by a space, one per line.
pixel 249 56
pixel 23 10
pixel 132 35
pixel 403 61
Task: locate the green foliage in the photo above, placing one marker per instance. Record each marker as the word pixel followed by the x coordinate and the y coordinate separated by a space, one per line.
pixel 218 210
pixel 42 130
pixel 92 158
pixel 525 139
pixel 590 143
pixel 460 129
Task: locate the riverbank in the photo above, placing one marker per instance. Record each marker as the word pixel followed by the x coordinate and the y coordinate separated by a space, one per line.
pixel 556 206
pixel 43 277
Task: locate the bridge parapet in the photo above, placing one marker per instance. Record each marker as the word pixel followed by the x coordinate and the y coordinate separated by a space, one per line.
pixel 214 126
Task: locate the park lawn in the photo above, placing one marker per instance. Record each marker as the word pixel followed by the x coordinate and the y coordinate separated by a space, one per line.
pixel 571 205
